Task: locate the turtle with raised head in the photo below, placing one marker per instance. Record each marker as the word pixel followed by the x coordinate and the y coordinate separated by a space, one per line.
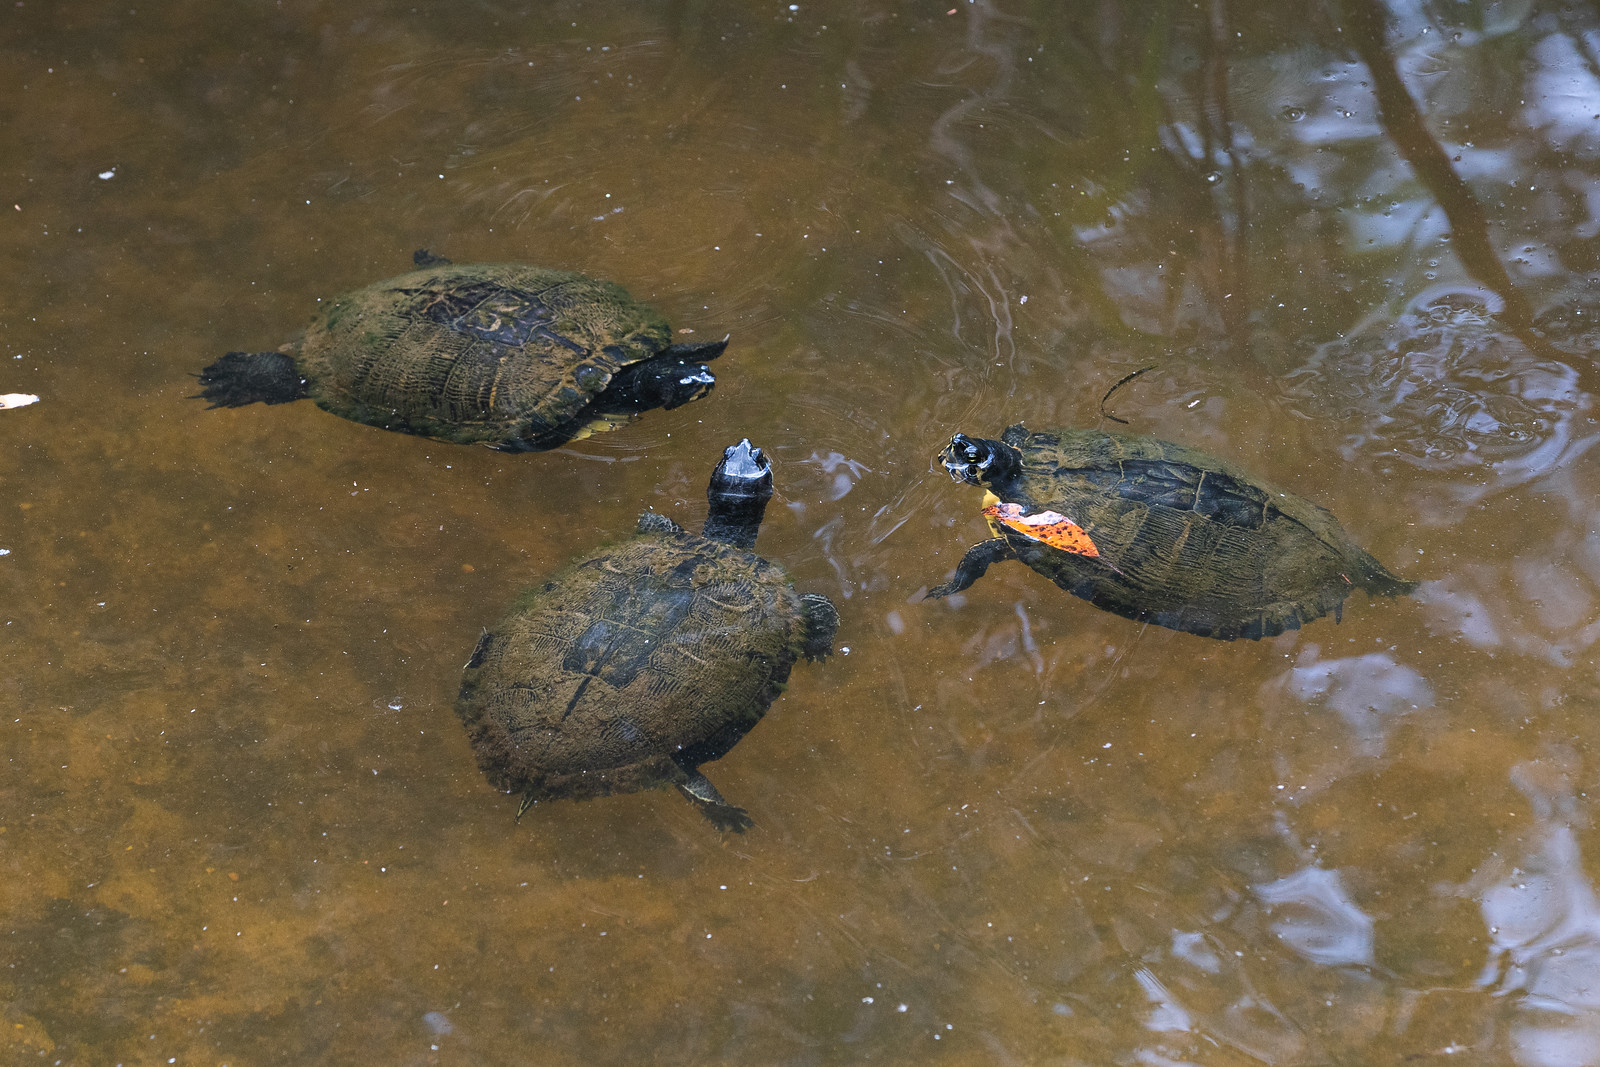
pixel 1159 532
pixel 517 357
pixel 634 666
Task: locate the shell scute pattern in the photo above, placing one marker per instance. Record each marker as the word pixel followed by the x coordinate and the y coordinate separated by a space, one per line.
pixel 667 644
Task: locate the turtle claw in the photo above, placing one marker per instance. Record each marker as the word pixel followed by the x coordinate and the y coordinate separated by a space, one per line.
pixel 528 801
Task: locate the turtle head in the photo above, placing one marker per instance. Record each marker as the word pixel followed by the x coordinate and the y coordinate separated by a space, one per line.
pixel 739 490
pixel 979 461
pixel 686 384
pixel 668 380
pixel 683 374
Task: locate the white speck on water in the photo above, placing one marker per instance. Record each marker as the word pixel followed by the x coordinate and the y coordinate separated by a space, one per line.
pixel 107 175
pixel 845 651
pixel 901 1008
pixel 17 400
pixel 866 1000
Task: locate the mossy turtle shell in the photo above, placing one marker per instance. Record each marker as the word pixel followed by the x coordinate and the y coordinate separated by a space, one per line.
pixel 633 666
pixel 1186 540
pixel 501 353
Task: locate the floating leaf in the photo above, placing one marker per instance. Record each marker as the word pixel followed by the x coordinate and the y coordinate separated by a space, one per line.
pixel 1050 527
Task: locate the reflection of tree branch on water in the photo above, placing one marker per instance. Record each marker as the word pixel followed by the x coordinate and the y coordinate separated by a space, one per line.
pixel 1209 178
pixel 1367 24
pixel 1219 123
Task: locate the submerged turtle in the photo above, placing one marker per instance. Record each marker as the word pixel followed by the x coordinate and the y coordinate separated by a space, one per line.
pixel 1159 532
pixel 517 357
pixel 634 666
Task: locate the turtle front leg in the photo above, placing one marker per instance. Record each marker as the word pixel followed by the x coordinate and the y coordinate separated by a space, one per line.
pixel 696 351
pixel 972 566
pixel 819 622
pixel 699 791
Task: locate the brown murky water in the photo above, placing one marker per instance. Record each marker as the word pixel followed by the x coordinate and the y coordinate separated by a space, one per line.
pixel 239 821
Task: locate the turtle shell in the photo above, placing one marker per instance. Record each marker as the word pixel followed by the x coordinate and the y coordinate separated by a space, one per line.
pixel 1185 540
pixel 500 353
pixel 631 667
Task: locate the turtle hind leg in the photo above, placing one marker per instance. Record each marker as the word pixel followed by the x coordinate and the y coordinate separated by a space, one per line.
pixel 699 791
pixel 240 378
pixel 973 565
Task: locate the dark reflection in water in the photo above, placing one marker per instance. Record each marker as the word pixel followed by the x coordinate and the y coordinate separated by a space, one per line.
pixel 240 823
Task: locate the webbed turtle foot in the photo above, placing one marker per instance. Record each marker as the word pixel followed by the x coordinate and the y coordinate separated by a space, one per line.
pixel 699 791
pixel 241 378
pixel 653 522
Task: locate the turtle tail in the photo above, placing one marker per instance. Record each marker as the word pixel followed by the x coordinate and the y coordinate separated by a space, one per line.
pixel 1375 578
pixel 240 378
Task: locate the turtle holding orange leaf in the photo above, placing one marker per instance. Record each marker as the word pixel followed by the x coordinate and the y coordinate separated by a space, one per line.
pixel 1159 532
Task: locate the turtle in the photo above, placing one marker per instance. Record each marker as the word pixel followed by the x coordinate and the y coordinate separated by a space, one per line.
pixel 520 358
pixel 638 663
pixel 1159 532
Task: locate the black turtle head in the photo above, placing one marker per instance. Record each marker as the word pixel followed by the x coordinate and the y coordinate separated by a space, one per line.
pixel 688 382
pixel 667 381
pixel 979 461
pixel 739 490
pixel 684 375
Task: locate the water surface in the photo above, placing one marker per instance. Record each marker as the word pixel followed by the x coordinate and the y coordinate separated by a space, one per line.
pixel 240 823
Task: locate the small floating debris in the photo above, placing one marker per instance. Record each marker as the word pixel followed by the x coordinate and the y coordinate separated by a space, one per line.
pixel 17 400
